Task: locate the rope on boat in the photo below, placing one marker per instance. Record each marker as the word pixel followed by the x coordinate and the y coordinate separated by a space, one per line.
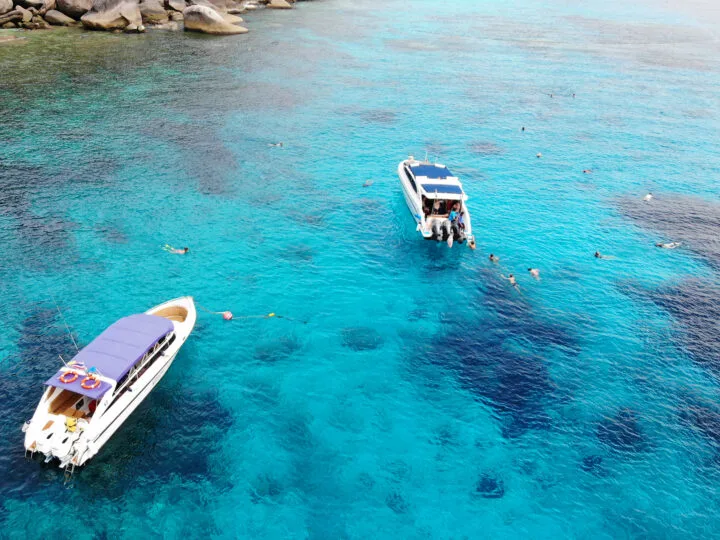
pixel 65 323
pixel 228 315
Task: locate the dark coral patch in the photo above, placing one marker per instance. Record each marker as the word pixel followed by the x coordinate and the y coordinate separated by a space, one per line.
pixel 396 503
pixel 279 349
pixel 485 148
pixel 361 338
pixel 593 464
pixel 380 117
pixel 265 488
pixel 622 432
pixel 174 431
pixel 695 306
pixel 705 419
pixel 490 487
pixel 691 220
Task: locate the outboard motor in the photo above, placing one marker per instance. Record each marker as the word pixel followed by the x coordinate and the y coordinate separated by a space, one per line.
pixel 437 230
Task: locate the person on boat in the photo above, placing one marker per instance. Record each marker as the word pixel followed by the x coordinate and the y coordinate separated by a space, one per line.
pixel 461 221
pixel 436 207
pixel 171 249
pixel 534 272
pixel 494 258
pixel 512 281
pixel 454 213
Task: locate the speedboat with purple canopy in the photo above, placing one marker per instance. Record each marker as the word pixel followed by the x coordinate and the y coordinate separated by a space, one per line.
pixel 437 201
pixel 91 396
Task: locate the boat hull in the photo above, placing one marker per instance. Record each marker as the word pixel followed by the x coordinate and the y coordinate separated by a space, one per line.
pixel 111 412
pixel 414 204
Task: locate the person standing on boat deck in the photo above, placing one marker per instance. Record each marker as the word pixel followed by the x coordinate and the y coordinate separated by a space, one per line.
pixel 436 206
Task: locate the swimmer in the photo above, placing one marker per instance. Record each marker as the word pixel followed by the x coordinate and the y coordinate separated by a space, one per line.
pixel 278 144
pixel 471 243
pixel 668 245
pixel 539 155
pixel 599 255
pixel 171 249
pixel 573 96
pixel 512 281
pixel 587 171
pixel 368 183
pixel 534 272
pixel 523 128
pixel 648 197
pixel 494 259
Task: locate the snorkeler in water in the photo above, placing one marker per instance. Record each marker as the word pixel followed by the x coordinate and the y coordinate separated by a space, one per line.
pixel 599 255
pixel 512 281
pixel 668 245
pixel 171 249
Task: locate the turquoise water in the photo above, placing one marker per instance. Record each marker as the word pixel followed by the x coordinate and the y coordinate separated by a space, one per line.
pixel 409 391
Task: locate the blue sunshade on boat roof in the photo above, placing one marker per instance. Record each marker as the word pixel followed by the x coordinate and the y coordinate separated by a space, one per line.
pixel 114 352
pixel 430 171
pixel 442 188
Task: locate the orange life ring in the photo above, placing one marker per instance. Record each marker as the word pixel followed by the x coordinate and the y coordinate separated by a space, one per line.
pixel 64 377
pixel 90 382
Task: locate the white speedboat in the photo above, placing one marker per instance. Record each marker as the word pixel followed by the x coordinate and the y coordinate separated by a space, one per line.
pixel 437 201
pixel 90 397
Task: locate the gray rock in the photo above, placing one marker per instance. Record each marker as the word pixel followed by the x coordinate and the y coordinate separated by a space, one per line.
pixel 27 15
pixel 279 4
pixel 74 8
pixel 11 17
pixel 6 6
pixel 58 19
pixel 152 12
pixel 207 20
pixel 220 8
pixel 175 16
pixel 8 25
pixel 37 4
pixel 112 14
pixel 177 5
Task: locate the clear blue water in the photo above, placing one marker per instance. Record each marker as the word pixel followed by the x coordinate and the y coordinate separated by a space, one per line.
pixel 409 392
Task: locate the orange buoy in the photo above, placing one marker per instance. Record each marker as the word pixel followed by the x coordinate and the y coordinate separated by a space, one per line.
pixel 90 382
pixel 68 377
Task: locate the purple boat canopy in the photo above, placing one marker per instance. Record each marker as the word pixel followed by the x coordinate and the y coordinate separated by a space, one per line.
pixel 114 352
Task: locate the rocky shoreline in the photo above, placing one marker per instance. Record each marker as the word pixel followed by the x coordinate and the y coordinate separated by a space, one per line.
pixel 220 17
